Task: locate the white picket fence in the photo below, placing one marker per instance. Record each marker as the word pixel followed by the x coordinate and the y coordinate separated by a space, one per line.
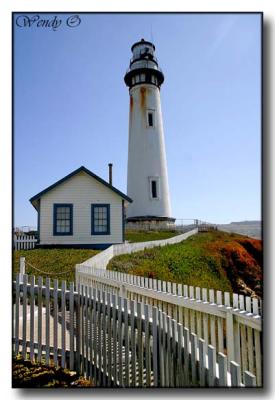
pixel 24 242
pixel 231 323
pixel 112 340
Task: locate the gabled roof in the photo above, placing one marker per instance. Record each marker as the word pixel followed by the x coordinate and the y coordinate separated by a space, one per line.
pixel 88 172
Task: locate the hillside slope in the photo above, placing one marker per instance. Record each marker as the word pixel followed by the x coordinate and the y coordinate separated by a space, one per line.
pixel 216 260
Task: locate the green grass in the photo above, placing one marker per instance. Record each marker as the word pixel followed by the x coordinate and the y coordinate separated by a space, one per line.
pixel 52 262
pixel 204 260
pixel 141 236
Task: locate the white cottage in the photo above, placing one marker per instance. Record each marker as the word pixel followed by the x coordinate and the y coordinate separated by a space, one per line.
pixel 82 211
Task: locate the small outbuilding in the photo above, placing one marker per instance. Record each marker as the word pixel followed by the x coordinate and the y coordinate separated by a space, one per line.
pixel 81 210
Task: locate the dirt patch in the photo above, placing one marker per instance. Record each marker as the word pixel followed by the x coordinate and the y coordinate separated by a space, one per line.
pixel 26 374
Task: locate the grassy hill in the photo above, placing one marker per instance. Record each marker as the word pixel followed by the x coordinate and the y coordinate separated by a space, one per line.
pixel 146 236
pixel 55 263
pixel 217 260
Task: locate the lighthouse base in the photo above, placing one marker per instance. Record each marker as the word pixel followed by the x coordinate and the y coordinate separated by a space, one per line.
pixel 150 223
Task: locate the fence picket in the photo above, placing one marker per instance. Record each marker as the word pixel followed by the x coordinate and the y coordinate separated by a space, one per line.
pixel 100 331
pixel 258 360
pixel 255 305
pixel 32 304
pixel 186 356
pixel 115 317
pixel 235 374
pixel 40 284
pixel 249 379
pixel 140 345
pixel 104 339
pixel 179 356
pixel 205 318
pixel 170 350
pixel 133 344
pixel 212 319
pixel 202 361
pixel 165 347
pixel 174 339
pixel 147 346
pixel 235 300
pixel 109 332
pixel 222 363
pixel 211 366
pixel 86 341
pixel 17 306
pixel 194 346
pixel 47 304
pixel 161 350
pixel 71 305
pixel 63 325
pixel 250 349
pixel 220 324
pixel 55 322
pixel 78 337
pixel 126 339
pixel 24 335
pixel 95 336
pixel 243 348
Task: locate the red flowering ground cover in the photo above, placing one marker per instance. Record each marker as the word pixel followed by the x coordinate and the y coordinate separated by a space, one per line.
pixel 217 260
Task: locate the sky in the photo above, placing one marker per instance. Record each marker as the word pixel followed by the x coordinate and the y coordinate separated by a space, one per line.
pixel 71 107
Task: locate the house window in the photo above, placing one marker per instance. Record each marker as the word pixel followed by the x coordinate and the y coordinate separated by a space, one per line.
pixel 100 219
pixel 150 118
pixel 63 219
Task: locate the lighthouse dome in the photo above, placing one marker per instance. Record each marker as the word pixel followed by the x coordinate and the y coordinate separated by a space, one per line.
pixel 143 63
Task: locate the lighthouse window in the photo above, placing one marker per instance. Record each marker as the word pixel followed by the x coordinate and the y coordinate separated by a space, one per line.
pixel 150 119
pixel 137 78
pixel 133 80
pixel 154 189
pixel 142 77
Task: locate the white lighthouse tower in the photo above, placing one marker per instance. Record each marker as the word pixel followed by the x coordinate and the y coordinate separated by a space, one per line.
pixel 147 180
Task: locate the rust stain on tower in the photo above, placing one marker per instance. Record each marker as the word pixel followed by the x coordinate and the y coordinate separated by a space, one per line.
pixel 131 103
pixel 143 98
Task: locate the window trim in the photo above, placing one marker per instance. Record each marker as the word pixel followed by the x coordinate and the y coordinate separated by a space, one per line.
pixel 55 207
pixel 93 206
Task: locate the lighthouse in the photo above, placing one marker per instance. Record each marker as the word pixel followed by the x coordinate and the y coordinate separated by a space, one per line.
pixel 147 177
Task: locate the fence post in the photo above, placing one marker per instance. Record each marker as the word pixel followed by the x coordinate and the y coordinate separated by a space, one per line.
pixel 22 268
